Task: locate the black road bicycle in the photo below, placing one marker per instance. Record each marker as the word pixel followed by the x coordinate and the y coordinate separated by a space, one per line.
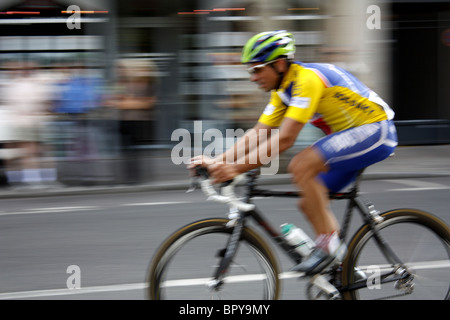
pixel 401 253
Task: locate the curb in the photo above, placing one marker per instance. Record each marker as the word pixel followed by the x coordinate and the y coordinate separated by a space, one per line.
pixel 184 185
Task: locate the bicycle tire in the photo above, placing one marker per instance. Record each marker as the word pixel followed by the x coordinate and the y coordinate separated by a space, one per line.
pixel 166 258
pixel 432 236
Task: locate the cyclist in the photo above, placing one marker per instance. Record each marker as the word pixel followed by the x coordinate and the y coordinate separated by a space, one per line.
pixel 357 123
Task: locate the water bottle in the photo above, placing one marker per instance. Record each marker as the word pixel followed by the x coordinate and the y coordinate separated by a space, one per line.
pixel 297 238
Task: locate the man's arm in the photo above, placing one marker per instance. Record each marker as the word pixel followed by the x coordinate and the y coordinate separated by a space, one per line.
pixel 272 147
pixel 239 150
pixel 245 144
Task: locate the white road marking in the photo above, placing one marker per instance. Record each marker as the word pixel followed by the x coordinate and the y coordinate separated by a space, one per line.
pixel 50 210
pixel 417 189
pixel 131 286
pixel 417 183
pixel 65 292
pixel 153 203
pixel 189 282
pixel 84 208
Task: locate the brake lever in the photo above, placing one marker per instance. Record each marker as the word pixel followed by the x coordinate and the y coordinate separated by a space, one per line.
pixel 226 196
pixel 194 184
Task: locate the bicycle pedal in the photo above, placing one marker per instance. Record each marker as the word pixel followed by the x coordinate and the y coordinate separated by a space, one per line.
pixel 323 284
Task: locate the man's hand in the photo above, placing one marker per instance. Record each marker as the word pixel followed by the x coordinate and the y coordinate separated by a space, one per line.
pixel 200 161
pixel 222 172
pixel 219 172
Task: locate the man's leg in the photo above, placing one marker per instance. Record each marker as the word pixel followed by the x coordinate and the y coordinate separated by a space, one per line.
pixel 315 204
pixel 305 168
pixel 336 158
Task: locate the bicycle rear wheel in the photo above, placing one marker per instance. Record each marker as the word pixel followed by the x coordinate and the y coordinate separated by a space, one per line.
pixel 420 240
pixel 186 262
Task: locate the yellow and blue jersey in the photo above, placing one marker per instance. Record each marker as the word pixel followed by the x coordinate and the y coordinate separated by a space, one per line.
pixel 325 95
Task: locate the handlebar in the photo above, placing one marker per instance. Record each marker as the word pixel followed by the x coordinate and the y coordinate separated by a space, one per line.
pixel 227 195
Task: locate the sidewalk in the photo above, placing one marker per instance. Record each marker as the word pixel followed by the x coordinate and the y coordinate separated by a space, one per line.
pixel 408 162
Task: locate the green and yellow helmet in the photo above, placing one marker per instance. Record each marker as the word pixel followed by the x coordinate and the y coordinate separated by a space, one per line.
pixel 268 46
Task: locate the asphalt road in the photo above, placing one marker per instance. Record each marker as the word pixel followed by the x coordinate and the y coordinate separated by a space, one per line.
pixel 107 240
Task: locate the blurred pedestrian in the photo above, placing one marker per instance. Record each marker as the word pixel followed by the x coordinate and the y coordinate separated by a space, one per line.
pixel 134 97
pixel 78 95
pixel 26 100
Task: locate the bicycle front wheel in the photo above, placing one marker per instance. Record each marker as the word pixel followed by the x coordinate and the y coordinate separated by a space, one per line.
pixel 185 263
pixel 419 239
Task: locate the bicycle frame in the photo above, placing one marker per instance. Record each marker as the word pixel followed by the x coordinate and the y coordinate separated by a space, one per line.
pixel 369 214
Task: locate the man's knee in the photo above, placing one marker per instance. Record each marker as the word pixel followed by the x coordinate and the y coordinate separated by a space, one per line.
pixel 306 164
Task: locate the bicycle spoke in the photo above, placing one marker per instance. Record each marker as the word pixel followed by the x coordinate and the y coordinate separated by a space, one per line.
pixel 186 269
pixel 425 257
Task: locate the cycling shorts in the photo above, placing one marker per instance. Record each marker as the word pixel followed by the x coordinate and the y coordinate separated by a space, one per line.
pixel 348 151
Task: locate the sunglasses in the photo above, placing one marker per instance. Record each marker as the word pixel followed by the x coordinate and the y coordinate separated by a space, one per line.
pixel 258 68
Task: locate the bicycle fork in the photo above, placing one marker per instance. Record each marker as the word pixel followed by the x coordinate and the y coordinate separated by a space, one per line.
pixel 227 254
pixel 400 273
pixel 373 219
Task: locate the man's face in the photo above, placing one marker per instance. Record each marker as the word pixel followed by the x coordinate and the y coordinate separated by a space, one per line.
pixel 265 75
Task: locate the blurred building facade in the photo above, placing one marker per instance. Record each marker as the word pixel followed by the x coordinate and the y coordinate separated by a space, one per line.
pixel 400 48
pixel 196 48
pixel 421 70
